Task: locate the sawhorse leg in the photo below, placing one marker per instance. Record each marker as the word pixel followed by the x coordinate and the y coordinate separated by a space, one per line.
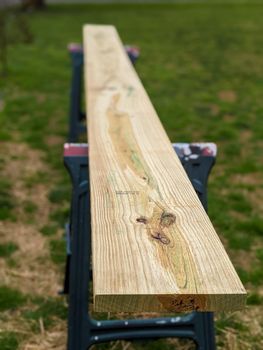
pixel 76 116
pixel 83 331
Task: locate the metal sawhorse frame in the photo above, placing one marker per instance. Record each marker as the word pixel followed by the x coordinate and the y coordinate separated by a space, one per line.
pixel 83 331
pixel 76 115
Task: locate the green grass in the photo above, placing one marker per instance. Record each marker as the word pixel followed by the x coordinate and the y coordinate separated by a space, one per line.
pixel 59 194
pixel 39 177
pixel 2 163
pixel 8 341
pixel 12 263
pixel 49 230
pixel 60 216
pixel 254 299
pixel 29 207
pixel 202 67
pixel 238 202
pixel 58 251
pixel 7 249
pixel 253 226
pixel 241 241
pixel 260 255
pixel 48 310
pixel 10 298
pixel 252 276
pixel 7 202
pixel 229 321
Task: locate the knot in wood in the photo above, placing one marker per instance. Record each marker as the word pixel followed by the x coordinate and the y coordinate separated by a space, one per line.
pixel 161 237
pixel 142 220
pixel 167 219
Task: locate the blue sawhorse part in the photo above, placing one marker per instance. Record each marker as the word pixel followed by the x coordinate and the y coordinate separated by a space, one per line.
pixel 83 331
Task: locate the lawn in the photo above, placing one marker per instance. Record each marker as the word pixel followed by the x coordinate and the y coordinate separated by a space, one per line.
pixel 202 66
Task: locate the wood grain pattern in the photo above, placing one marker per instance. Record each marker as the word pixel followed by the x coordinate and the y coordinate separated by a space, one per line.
pixel 154 247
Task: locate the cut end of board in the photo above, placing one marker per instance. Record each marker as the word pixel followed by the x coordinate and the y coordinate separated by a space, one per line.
pixel 170 303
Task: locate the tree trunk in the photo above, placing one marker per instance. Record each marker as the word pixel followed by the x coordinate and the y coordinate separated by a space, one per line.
pixel 36 4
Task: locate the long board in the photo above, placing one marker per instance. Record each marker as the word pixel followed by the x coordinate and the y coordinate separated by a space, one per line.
pixel 153 245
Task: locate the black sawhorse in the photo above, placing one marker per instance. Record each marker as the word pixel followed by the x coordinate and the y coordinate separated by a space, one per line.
pixel 83 331
pixel 76 115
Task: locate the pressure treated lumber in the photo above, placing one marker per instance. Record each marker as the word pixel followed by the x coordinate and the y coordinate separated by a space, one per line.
pixel 153 245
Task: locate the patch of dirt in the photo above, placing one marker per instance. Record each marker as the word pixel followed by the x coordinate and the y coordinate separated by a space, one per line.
pixel 54 140
pixel 247 179
pixel 253 318
pixel 227 96
pixel 237 216
pixel 35 273
pixel 48 339
pixel 41 98
pixel 250 338
pixel 255 197
pixel 215 109
pixel 2 105
pixel 245 135
pixel 242 258
pixel 228 118
pixel 231 341
pixel 11 322
pixel 21 164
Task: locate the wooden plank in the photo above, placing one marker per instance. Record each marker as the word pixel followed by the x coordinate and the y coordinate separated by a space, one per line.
pixel 154 247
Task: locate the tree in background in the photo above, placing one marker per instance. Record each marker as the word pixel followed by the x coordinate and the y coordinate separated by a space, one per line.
pixel 33 4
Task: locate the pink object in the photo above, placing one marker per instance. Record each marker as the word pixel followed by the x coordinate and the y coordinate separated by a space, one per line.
pixel 196 149
pixel 75 47
pixel 76 149
pixel 132 50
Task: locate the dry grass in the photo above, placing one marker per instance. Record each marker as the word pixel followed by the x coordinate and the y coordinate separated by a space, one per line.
pixel 34 271
pixel 54 339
